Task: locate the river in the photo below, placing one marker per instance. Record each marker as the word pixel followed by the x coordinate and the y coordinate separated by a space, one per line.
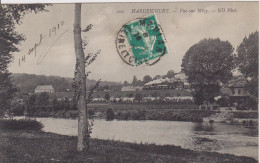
pixel 204 136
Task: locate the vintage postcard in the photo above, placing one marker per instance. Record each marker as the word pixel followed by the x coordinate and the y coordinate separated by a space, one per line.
pixel 129 82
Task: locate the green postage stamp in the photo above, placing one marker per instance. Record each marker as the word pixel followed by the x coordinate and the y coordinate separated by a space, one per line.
pixel 141 41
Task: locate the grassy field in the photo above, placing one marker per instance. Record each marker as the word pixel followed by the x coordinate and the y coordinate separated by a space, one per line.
pixel 33 146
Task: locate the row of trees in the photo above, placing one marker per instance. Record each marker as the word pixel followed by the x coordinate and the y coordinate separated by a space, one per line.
pixel 107 96
pixel 210 63
pixel 36 104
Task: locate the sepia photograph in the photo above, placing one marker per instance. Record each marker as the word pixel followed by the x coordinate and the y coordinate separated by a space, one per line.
pixel 115 82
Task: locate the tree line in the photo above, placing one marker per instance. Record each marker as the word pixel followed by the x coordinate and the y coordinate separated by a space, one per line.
pixel 42 104
pixel 210 63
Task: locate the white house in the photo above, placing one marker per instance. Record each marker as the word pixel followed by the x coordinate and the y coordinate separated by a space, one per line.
pixel 44 88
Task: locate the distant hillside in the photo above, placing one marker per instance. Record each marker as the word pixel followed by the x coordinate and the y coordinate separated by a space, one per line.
pixel 28 82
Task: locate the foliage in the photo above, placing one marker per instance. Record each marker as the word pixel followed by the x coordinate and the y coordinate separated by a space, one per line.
pixel 157 77
pixel 91 112
pixel 28 82
pixel 138 97
pixel 21 124
pixel 210 61
pixel 30 104
pixel 170 74
pixel 224 101
pixel 164 115
pixel 155 94
pixel 252 103
pixel 18 109
pixel 126 83
pixel 245 114
pixel 147 78
pixel 7 91
pixel 247 60
pixel 134 82
pixel 198 96
pixel 42 99
pixel 109 114
pixel 129 95
pixel 207 64
pixel 10 15
pixel 55 103
pixel 107 96
pixel 44 105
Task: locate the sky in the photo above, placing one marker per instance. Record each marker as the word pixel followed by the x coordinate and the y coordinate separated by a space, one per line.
pixel 55 54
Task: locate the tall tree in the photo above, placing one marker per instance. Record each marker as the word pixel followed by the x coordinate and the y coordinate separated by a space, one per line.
pixel 247 60
pixel 170 74
pixel 43 99
pixel 134 82
pixel 79 85
pixel 147 78
pixel 10 16
pixel 207 64
pixel 81 79
pixel 125 83
pixel 157 77
pixel 107 96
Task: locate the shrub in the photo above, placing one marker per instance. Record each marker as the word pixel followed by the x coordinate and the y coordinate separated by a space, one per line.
pixel 126 115
pixel 109 114
pixel 18 110
pixel 21 124
pixel 91 112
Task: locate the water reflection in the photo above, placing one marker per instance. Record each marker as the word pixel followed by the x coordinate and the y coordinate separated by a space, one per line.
pixel 218 137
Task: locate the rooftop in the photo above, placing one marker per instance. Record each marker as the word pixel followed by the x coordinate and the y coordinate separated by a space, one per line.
pixel 44 87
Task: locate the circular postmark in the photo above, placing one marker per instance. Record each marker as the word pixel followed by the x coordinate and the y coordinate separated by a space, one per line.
pixel 141 41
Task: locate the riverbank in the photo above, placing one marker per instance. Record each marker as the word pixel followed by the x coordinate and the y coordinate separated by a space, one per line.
pixel 245 118
pixel 150 111
pixel 34 146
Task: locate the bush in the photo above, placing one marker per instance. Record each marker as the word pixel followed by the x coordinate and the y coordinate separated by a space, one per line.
pixel 109 114
pixel 18 110
pixel 21 124
pixel 91 112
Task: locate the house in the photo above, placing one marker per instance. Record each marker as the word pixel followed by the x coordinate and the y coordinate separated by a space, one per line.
pixel 98 100
pixel 236 90
pixel 128 99
pixel 44 88
pixel 128 88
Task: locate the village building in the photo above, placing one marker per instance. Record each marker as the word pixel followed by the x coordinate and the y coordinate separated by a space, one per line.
pixel 44 88
pixel 164 83
pixel 237 90
pixel 131 88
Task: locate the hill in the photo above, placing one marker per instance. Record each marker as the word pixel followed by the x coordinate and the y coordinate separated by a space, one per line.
pixel 28 82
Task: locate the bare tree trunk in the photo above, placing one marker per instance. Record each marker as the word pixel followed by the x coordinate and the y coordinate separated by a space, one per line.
pixel 82 117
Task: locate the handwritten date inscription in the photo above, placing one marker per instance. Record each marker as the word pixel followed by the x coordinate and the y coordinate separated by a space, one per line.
pixel 52 33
